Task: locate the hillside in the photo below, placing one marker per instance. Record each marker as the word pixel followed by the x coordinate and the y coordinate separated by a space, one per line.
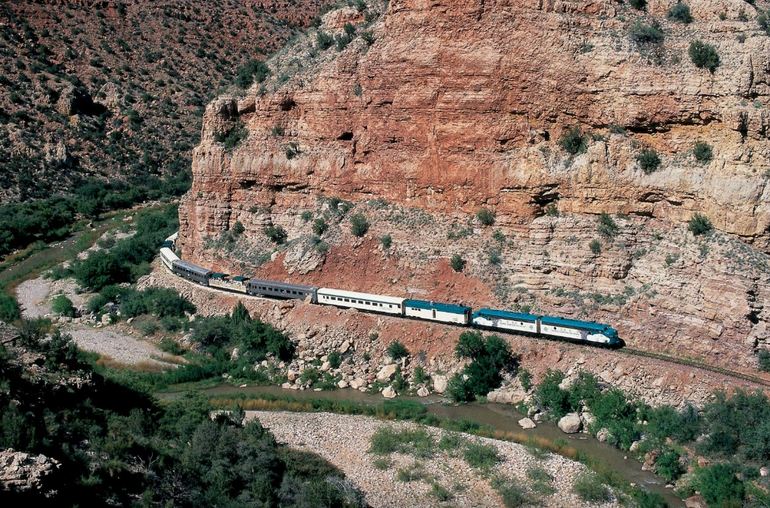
pixel 115 89
pixel 623 179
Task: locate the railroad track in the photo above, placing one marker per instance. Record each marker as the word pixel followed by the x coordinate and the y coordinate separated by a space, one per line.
pixel 696 364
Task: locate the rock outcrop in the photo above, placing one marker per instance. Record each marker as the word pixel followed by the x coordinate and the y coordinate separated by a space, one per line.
pixel 24 472
pixel 437 109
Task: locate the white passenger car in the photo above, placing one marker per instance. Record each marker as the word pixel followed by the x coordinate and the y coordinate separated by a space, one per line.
pixel 436 311
pixel 362 301
pixel 168 257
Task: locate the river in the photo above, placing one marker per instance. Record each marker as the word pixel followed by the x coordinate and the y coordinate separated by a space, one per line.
pixel 498 416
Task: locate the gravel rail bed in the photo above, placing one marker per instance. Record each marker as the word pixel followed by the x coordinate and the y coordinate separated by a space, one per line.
pixel 344 441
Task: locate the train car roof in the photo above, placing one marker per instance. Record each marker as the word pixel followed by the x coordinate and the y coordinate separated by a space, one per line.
pixel 173 237
pixel 574 323
pixel 240 278
pixel 169 254
pixel 193 268
pixel 283 285
pixel 505 314
pixel 361 296
pixel 441 307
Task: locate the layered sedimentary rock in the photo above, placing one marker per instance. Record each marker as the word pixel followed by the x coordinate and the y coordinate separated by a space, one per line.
pixel 457 105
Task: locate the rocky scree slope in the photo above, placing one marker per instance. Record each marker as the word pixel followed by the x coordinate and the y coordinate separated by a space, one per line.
pixel 116 88
pixel 439 109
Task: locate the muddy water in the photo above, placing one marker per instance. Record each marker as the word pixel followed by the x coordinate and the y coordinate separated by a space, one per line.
pixel 498 416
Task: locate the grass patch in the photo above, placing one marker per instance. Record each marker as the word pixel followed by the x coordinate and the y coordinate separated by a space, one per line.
pixel 382 463
pixel 591 489
pixel 412 473
pixel 481 456
pixel 387 440
pixel 512 493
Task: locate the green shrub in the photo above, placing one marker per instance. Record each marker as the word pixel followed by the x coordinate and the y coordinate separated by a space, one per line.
pixel 417 442
pixel 512 494
pixel 232 137
pixel 306 216
pixel 63 306
pixel 645 34
pixel 699 225
pixel 386 241
pixel 763 20
pixel 719 485
pixel 359 225
pixel 292 150
pixel 160 302
pixel 335 359
pixel 764 360
pixel 440 492
pixel 457 263
pixel 648 160
pixel 680 12
pixel 489 357
pixel 324 40
pixel 591 489
pixel 96 304
pixel 396 350
pixel 607 226
pixel 667 465
pixel 481 456
pixel 485 216
pixel 525 378
pixel 419 376
pixel 9 309
pixel 573 141
pixel 276 234
pixel 704 55
pixel 251 71
pixel 550 396
pixel 595 246
pixel 703 152
pixel 638 4
pixel 320 226
pixel 238 228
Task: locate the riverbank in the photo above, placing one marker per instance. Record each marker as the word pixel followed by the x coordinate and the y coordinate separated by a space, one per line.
pixel 344 440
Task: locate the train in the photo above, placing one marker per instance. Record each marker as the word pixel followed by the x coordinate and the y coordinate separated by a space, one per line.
pixel 573 330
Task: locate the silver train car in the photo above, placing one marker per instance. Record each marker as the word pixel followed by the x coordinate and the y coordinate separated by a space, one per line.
pixel 271 288
pixel 192 272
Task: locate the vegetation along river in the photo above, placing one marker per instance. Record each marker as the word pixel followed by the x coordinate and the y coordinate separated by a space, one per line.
pixel 500 417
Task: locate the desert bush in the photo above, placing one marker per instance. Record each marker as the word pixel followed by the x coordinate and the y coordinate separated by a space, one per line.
pixel 417 442
pixel 396 350
pixel 335 359
pixel 667 465
pixel 703 152
pixel 608 228
pixel 324 40
pixel 320 227
pixel 512 494
pixel 232 137
pixel 386 241
pixel 638 4
pixel 764 360
pixel 525 378
pixel 719 485
pixel 359 225
pixel 480 455
pixel 489 357
pixel 276 234
pixel 648 160
pixel 595 246
pixel 591 489
pixel 238 228
pixel 699 225
pixel 550 396
pixel 704 55
pixel 573 141
pixel 645 34
pixel 485 216
pixel 680 12
pixel 63 306
pixel 457 263
pixel 250 72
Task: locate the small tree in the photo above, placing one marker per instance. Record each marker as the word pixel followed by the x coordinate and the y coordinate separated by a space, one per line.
pixel 573 141
pixel 648 160
pixel 386 241
pixel 457 263
pixel 680 12
pixel 703 152
pixel 699 225
pixel 396 350
pixel 324 40
pixel 335 359
pixel 486 217
pixel 595 246
pixel 359 225
pixel 704 55
pixel 238 228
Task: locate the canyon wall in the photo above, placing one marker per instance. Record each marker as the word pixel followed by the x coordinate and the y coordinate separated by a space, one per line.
pixel 448 106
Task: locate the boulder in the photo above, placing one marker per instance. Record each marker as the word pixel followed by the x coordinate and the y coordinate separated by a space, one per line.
pixel 588 418
pixel 439 383
pixel 387 372
pixel 527 423
pixel 291 375
pixel 570 423
pixel 634 447
pixel 603 435
pixel 357 383
pixel 344 347
pixel 286 386
pixel 389 392
pixel 423 392
pixel 342 384
pixel 695 502
pixel 764 471
pixel 326 366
